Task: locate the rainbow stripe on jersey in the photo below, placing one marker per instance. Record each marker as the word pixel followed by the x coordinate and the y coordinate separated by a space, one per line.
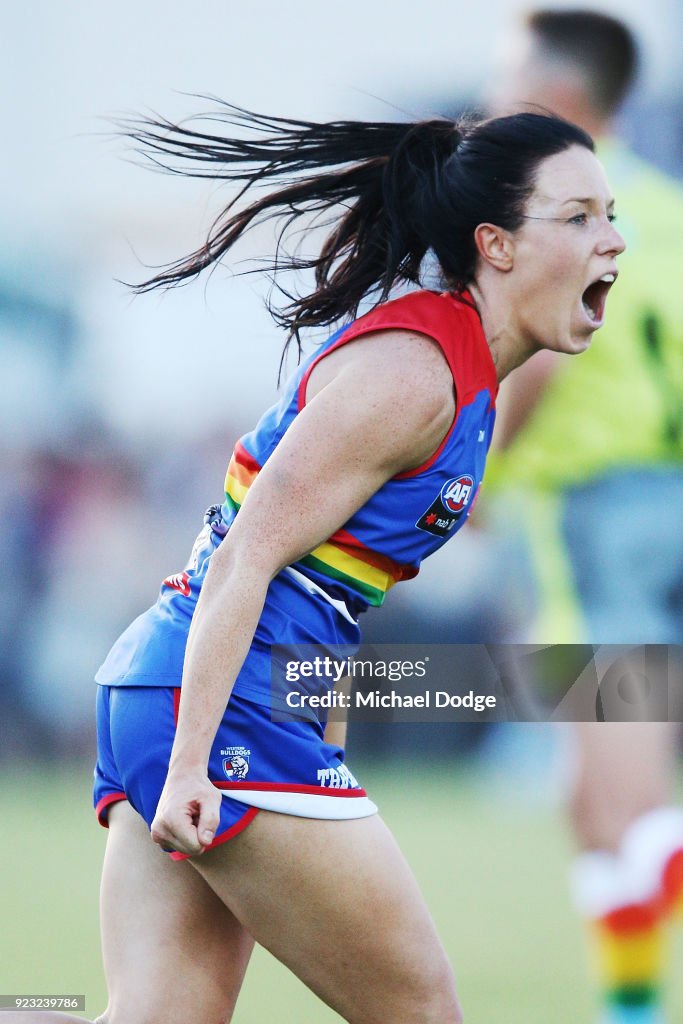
pixel 342 557
pixel 415 512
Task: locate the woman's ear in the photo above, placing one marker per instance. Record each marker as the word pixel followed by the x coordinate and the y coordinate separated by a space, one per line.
pixel 495 246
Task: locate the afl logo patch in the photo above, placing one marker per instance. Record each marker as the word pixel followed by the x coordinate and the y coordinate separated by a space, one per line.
pixel 450 506
pixel 456 493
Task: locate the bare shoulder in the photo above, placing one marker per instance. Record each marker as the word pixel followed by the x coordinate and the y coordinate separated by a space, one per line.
pixel 404 365
pixel 403 378
pixel 380 409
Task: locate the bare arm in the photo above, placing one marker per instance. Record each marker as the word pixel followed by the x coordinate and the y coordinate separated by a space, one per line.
pixel 385 410
pixel 335 731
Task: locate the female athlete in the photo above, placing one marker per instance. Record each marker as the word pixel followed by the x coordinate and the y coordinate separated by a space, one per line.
pixel 371 460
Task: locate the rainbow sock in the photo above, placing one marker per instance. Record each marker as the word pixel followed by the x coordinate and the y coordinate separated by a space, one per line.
pixel 653 848
pixel 630 955
pixel 627 939
pixel 627 900
pixel 672 883
pixel 632 1015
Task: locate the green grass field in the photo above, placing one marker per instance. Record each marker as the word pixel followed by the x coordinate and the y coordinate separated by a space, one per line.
pixel 492 868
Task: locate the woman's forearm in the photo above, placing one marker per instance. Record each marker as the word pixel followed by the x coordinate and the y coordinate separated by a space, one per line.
pixel 222 629
pixel 335 731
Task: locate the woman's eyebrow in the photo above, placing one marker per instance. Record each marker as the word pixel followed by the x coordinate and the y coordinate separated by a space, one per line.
pixel 588 202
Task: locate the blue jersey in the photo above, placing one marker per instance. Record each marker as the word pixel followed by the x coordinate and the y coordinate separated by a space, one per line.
pixel 407 519
pixel 414 513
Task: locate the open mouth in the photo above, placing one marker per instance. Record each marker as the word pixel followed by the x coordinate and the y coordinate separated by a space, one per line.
pixel 595 297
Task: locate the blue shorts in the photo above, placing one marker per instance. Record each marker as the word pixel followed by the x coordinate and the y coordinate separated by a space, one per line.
pixel 277 766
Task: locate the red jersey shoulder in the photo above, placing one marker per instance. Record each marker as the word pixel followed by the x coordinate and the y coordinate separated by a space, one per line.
pixel 440 316
pixel 436 314
pixel 452 321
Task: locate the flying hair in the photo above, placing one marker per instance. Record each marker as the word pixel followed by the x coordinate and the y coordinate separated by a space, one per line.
pixel 388 192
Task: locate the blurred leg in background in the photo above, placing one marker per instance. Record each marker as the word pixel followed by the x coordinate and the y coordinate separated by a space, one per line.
pixel 627 879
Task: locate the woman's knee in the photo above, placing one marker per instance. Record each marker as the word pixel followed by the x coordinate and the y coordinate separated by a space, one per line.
pixel 428 997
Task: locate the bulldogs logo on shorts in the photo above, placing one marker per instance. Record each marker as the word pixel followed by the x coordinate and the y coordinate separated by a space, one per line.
pixel 235 762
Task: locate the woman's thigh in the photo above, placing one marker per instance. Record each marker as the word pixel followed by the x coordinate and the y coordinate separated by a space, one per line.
pixel 172 950
pixel 336 902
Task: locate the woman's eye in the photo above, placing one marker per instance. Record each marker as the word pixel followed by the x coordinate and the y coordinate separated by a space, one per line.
pixel 611 217
pixel 578 218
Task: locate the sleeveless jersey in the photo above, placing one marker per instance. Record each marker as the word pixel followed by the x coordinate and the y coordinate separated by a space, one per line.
pixel 414 513
pixel 406 520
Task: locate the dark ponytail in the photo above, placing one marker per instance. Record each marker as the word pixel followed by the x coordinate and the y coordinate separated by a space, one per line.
pixel 391 192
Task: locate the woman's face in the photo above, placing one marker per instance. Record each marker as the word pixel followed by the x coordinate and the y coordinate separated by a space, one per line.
pixel 565 253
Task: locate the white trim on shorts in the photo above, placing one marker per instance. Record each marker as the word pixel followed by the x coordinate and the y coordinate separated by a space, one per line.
pixel 338 805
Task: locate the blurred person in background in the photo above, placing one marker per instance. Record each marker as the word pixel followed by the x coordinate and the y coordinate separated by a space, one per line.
pixel 593 447
pixel 370 462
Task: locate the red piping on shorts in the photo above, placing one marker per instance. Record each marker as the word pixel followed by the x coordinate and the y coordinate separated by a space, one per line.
pixel 234 830
pixel 110 798
pixel 290 787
